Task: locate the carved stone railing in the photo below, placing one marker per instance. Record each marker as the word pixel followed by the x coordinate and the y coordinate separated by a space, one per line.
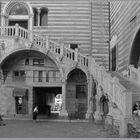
pixel 134 73
pixel 8 31
pixel 111 85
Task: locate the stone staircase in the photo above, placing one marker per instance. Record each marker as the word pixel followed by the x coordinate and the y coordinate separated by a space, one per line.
pixel 113 84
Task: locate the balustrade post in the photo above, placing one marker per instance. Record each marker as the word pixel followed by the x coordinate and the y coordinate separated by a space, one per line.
pixel 62 49
pixel 2 31
pixel 47 42
pixel 16 30
pixel 76 55
pixel 31 36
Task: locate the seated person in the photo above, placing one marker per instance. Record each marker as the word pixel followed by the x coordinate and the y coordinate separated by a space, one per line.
pixel 136 109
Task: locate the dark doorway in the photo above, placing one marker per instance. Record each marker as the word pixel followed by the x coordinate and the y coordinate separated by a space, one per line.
pixel 21 105
pixel 22 23
pixel 76 94
pixel 44 98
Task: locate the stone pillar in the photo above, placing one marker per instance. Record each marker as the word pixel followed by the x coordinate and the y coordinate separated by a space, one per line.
pixel 123 132
pixel 3 19
pixel 38 16
pixel 98 113
pixel 63 112
pixel 30 27
pixel 89 110
pixel 30 100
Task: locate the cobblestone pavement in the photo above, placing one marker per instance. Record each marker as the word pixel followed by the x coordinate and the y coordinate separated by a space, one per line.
pixel 52 129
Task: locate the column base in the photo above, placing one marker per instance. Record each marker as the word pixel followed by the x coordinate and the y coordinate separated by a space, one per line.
pixel 98 116
pixel 123 132
pixel 89 115
pixel 63 114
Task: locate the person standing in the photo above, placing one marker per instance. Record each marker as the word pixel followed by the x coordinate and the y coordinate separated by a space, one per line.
pixel 104 101
pixel 35 113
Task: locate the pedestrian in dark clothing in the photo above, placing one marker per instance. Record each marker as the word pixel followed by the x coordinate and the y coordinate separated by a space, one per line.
pixel 104 100
pixel 1 121
pixel 35 113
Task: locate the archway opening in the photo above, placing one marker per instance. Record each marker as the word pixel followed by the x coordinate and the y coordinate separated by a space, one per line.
pixel 76 94
pixel 31 71
pixel 45 99
pixel 135 51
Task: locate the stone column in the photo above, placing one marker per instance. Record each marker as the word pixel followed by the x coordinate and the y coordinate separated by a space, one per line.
pixel 98 113
pixel 30 100
pixel 89 110
pixel 3 19
pixel 64 112
pixel 38 16
pixel 123 132
pixel 30 27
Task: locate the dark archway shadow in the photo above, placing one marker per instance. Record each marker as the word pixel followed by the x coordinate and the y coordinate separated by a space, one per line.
pixel 135 51
pixel 76 94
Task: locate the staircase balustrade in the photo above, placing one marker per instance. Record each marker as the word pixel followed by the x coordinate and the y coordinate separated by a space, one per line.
pixel 8 31
pixel 54 47
pixel 134 73
pixel 23 33
pixel 110 85
pixel 83 60
pixel 39 41
pixel 70 54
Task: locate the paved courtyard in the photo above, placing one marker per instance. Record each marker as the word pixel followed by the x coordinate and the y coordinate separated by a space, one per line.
pixel 52 129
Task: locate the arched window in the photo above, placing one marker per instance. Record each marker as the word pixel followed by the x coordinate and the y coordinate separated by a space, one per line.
pixel 35 17
pixel 18 9
pixel 43 17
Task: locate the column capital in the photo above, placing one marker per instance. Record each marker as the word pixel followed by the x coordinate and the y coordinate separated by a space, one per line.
pixel 64 80
pixel 38 10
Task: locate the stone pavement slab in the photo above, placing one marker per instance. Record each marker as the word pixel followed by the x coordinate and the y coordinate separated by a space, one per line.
pixel 52 129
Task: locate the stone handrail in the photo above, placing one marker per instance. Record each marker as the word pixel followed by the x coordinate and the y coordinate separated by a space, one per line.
pixel 39 41
pixel 134 73
pixel 22 33
pixel 111 85
pixel 7 31
pixel 83 60
pixel 54 47
pixel 70 54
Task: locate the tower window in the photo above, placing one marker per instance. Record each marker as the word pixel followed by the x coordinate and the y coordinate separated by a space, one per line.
pixel 73 46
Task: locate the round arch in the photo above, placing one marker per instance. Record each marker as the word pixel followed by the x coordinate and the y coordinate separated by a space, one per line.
pixel 77 67
pixel 28 19
pixel 131 46
pixel 12 3
pixel 135 50
pixel 35 50
pixel 77 92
